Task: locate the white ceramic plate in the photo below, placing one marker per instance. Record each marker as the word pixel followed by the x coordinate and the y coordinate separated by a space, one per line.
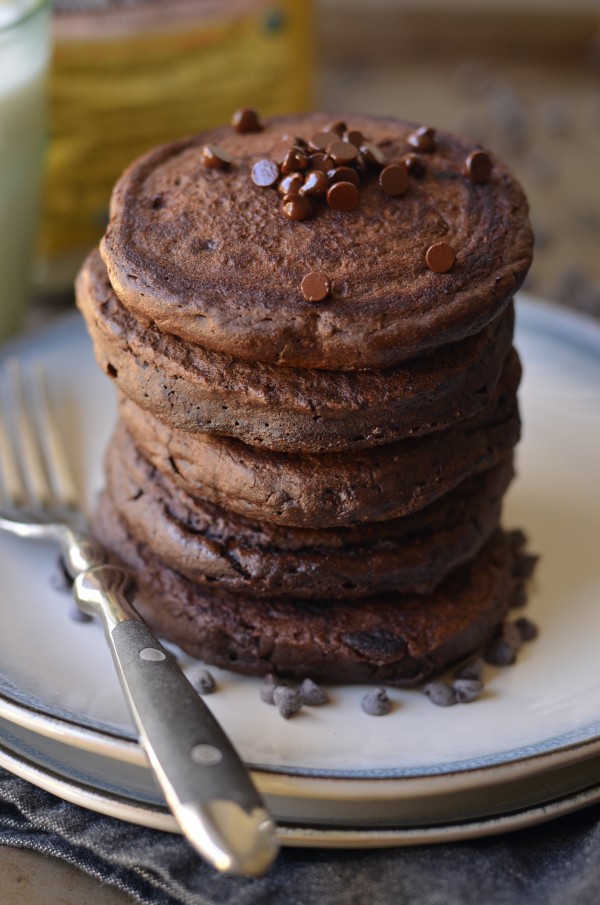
pixel 534 736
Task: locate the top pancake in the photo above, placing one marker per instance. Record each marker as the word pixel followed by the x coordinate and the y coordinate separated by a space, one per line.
pixel 208 256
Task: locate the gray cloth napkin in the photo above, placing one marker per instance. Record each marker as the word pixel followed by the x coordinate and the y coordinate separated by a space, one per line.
pixel 557 863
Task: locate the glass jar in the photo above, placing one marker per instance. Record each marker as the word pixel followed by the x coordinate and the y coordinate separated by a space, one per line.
pixel 128 75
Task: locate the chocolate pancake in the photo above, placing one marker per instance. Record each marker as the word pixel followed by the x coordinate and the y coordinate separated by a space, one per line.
pixel 208 256
pixel 287 409
pixel 392 638
pixel 331 489
pixel 207 544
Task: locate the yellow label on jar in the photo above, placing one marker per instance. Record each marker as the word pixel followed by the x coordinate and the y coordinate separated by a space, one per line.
pixel 121 84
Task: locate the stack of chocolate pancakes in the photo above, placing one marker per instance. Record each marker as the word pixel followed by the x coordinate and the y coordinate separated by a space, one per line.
pixel 317 394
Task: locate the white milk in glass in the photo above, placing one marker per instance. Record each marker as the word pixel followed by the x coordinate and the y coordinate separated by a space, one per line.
pixel 24 52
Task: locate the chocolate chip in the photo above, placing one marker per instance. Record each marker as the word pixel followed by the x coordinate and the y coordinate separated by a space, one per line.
pixel 322 140
pixel 518 597
pixel 440 693
pixel 157 202
pixel 294 161
pixel 338 126
pixel 393 180
pixel 316 286
pixel 342 152
pixel 296 207
pixel 343 196
pixel 246 120
pixel 414 164
pixel 312 694
pixel 302 160
pixel 216 158
pixel 373 155
pixel 315 184
pixel 203 681
pixel 499 652
pixel 440 257
pixel 379 643
pixel 291 185
pixel 265 173
pixel 511 634
pixel 423 139
pixel 343 174
pixel 268 687
pixel 376 703
pixel 517 538
pixel 525 564
pixel 355 138
pixel 320 161
pixel 478 166
pixel 471 670
pixel 467 690
pixel 287 700
pixel 527 629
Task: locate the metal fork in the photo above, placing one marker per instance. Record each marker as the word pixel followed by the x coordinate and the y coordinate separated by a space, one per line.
pixel 201 775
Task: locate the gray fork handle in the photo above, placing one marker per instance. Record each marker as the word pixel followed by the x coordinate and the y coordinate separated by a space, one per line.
pixel 200 773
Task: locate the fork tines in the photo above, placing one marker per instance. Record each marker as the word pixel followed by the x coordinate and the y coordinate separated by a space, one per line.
pixel 33 461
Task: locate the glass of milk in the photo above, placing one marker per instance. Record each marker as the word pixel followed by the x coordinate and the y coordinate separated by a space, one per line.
pixel 24 55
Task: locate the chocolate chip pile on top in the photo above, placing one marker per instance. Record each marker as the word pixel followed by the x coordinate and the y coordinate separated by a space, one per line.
pixel 329 167
pixel 317 415
pixel 326 168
